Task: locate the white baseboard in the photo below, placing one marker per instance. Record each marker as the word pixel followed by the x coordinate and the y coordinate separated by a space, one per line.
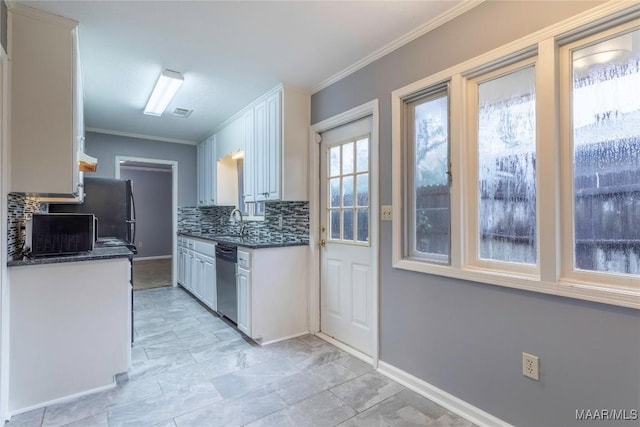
pixel 441 397
pixel 149 258
pixel 63 399
pixel 342 346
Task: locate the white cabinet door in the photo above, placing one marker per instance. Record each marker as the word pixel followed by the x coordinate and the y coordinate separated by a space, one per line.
pixel 206 172
pixel 208 279
pixel 249 183
pixel 182 258
pixel 196 275
pixel 272 145
pixel 200 174
pixel 190 272
pixel 210 174
pixel 260 144
pixel 244 300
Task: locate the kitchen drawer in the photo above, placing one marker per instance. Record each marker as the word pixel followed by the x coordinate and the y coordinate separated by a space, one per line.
pixel 204 248
pixel 244 259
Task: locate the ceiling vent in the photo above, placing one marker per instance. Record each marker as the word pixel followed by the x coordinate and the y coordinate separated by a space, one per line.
pixel 181 112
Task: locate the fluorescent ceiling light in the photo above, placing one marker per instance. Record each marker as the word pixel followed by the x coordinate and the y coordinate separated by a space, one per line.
pixel 166 87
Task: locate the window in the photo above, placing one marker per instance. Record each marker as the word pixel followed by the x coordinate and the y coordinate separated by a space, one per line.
pixel 428 166
pixel 605 142
pixel 503 123
pixel 348 176
pixel 523 169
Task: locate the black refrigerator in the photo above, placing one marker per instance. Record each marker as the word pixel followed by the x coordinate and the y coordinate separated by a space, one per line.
pixel 111 201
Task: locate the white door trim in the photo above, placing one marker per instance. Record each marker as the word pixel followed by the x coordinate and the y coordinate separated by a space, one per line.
pixel 364 110
pixel 4 288
pixel 174 204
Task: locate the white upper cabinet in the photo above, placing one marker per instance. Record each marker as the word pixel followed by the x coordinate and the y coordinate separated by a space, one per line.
pixel 230 139
pixel 276 153
pixel 47 124
pixel 206 172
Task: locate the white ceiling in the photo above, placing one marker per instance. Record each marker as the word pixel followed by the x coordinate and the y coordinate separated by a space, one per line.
pixel 230 52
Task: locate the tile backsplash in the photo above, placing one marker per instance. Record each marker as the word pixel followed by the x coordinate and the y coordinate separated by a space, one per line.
pixel 20 208
pixel 215 220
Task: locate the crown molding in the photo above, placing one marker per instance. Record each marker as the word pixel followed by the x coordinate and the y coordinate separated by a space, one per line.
pixel 41 15
pixel 423 29
pixel 141 136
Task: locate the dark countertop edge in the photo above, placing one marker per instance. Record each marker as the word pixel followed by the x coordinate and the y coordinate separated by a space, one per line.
pixel 95 255
pixel 250 245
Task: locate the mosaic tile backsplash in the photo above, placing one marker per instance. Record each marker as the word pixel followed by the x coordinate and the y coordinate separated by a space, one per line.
pixel 20 208
pixel 215 220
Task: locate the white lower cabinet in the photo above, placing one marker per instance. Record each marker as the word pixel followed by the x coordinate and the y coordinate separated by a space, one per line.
pixel 244 300
pixel 272 293
pixel 207 267
pixel 197 269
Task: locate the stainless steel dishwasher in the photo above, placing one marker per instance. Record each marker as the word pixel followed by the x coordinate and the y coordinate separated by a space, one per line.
pixel 226 261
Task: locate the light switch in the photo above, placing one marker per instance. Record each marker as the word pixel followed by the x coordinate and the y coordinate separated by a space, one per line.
pixel 386 213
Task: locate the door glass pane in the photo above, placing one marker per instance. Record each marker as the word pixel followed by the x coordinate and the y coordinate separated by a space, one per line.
pixel 606 155
pixel 362 155
pixel 334 161
pixel 347 191
pixel 362 188
pixel 334 192
pixel 363 225
pixel 334 219
pixel 431 223
pixel 347 158
pixel 347 232
pixel 506 168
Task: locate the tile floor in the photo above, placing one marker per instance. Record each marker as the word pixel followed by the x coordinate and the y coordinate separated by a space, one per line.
pixel 190 368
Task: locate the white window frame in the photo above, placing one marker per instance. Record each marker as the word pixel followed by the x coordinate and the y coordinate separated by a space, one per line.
pixel 471 116
pixel 552 277
pixel 571 275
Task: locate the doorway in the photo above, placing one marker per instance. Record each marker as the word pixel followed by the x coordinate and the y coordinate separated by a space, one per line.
pixel 155 192
pixel 343 298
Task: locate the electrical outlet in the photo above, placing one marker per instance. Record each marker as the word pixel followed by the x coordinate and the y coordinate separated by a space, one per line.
pixel 386 213
pixel 531 366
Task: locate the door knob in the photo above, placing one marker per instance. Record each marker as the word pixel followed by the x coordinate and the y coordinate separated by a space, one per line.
pixel 322 243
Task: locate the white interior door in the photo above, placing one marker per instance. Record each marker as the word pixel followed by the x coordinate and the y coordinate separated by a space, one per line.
pixel 346 285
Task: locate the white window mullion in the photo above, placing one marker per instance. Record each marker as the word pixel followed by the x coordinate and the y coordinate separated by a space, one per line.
pixel 457 159
pixel 470 165
pixel 548 163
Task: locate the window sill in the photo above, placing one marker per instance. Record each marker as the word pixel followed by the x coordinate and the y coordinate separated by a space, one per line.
pixel 601 293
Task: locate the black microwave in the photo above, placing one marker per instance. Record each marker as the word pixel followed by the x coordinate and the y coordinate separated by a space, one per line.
pixel 60 234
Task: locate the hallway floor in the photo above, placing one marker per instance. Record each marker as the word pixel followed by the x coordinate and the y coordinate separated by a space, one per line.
pixel 190 368
pixel 152 273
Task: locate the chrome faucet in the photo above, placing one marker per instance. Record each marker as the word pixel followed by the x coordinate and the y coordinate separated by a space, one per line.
pixel 232 218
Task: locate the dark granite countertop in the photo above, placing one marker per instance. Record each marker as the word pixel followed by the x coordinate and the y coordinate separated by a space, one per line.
pixel 94 255
pixel 248 241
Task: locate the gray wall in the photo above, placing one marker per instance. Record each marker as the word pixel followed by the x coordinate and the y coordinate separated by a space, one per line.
pixel 467 338
pixel 107 147
pixel 152 192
